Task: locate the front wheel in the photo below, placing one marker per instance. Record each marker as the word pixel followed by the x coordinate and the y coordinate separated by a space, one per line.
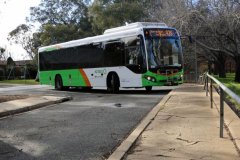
pixel 148 88
pixel 113 85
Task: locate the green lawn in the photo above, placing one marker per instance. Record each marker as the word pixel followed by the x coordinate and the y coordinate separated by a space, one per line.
pixel 229 82
pixel 22 81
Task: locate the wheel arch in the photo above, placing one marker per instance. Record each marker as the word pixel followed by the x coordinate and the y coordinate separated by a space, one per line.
pixel 109 78
pixel 56 75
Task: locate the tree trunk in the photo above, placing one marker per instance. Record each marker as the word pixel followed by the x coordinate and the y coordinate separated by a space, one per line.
pixel 222 72
pixel 210 71
pixel 237 71
pixel 221 65
pixel 215 69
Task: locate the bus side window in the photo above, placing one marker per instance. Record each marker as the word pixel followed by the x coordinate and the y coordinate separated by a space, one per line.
pixel 113 53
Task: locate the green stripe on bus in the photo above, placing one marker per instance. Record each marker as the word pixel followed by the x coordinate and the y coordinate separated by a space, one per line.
pixel 70 77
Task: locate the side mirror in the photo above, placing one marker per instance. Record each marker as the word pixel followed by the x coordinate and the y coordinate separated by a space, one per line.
pixel 190 39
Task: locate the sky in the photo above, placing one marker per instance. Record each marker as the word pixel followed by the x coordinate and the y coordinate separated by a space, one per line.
pixel 12 14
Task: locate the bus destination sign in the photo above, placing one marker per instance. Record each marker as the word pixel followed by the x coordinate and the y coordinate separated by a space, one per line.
pixel 160 33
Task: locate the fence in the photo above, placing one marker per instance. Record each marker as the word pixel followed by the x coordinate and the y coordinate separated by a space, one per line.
pixel 222 90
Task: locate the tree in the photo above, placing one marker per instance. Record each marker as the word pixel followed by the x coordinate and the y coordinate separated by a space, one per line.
pixel 3 55
pixel 10 68
pixel 171 12
pixel 52 34
pixel 23 35
pixel 106 14
pixel 222 25
pixel 61 20
pixel 59 12
pixel 213 24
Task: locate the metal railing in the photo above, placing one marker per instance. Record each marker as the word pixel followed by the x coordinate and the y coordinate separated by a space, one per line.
pixel 222 90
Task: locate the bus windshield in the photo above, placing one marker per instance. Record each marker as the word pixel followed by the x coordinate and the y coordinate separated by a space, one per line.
pixel 163 48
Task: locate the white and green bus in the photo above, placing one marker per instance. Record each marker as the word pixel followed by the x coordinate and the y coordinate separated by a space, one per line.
pixel 140 54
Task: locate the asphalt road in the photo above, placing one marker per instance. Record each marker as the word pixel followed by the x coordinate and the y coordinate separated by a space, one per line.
pixel 88 127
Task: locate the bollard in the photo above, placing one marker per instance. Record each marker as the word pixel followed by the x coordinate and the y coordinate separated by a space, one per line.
pixel 211 92
pixel 207 86
pixel 204 83
pixel 221 112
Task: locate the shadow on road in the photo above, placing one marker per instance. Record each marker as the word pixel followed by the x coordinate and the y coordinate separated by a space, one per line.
pixel 9 152
pixel 129 91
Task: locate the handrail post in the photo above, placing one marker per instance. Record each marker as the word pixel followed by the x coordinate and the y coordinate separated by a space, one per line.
pixel 221 112
pixel 207 86
pixel 211 92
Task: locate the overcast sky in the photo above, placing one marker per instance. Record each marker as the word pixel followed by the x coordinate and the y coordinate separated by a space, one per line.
pixel 12 14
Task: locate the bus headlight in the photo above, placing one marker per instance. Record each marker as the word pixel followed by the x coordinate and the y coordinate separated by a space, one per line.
pixel 149 78
pixel 180 77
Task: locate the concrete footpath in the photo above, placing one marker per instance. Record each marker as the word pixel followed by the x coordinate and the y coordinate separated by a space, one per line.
pixel 23 105
pixel 185 127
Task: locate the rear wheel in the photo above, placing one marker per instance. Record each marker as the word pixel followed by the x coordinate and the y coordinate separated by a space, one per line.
pixel 58 83
pixel 148 88
pixel 113 83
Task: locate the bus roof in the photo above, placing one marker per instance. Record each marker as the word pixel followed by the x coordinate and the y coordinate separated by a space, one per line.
pixel 109 34
pixel 136 25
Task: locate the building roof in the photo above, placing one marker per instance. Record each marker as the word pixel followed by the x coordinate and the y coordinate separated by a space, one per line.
pixel 22 62
pixel 17 63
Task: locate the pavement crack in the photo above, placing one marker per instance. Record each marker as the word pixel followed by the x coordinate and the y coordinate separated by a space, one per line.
pixel 166 156
pixel 179 116
pixel 170 116
pixel 166 132
pixel 195 142
pixel 188 141
pixel 185 140
pixel 203 157
pixel 148 129
pixel 161 155
pixel 171 149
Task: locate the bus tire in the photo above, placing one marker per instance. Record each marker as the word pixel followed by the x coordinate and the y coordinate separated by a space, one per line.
pixel 113 83
pixel 148 88
pixel 87 89
pixel 58 83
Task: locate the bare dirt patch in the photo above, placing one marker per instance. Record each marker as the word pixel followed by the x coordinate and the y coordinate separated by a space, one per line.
pixel 6 98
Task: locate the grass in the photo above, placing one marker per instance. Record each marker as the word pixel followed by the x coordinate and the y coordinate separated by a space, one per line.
pixel 229 82
pixel 20 81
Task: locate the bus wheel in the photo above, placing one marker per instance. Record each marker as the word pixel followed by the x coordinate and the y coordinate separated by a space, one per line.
pixel 148 88
pixel 113 83
pixel 58 83
pixel 87 88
